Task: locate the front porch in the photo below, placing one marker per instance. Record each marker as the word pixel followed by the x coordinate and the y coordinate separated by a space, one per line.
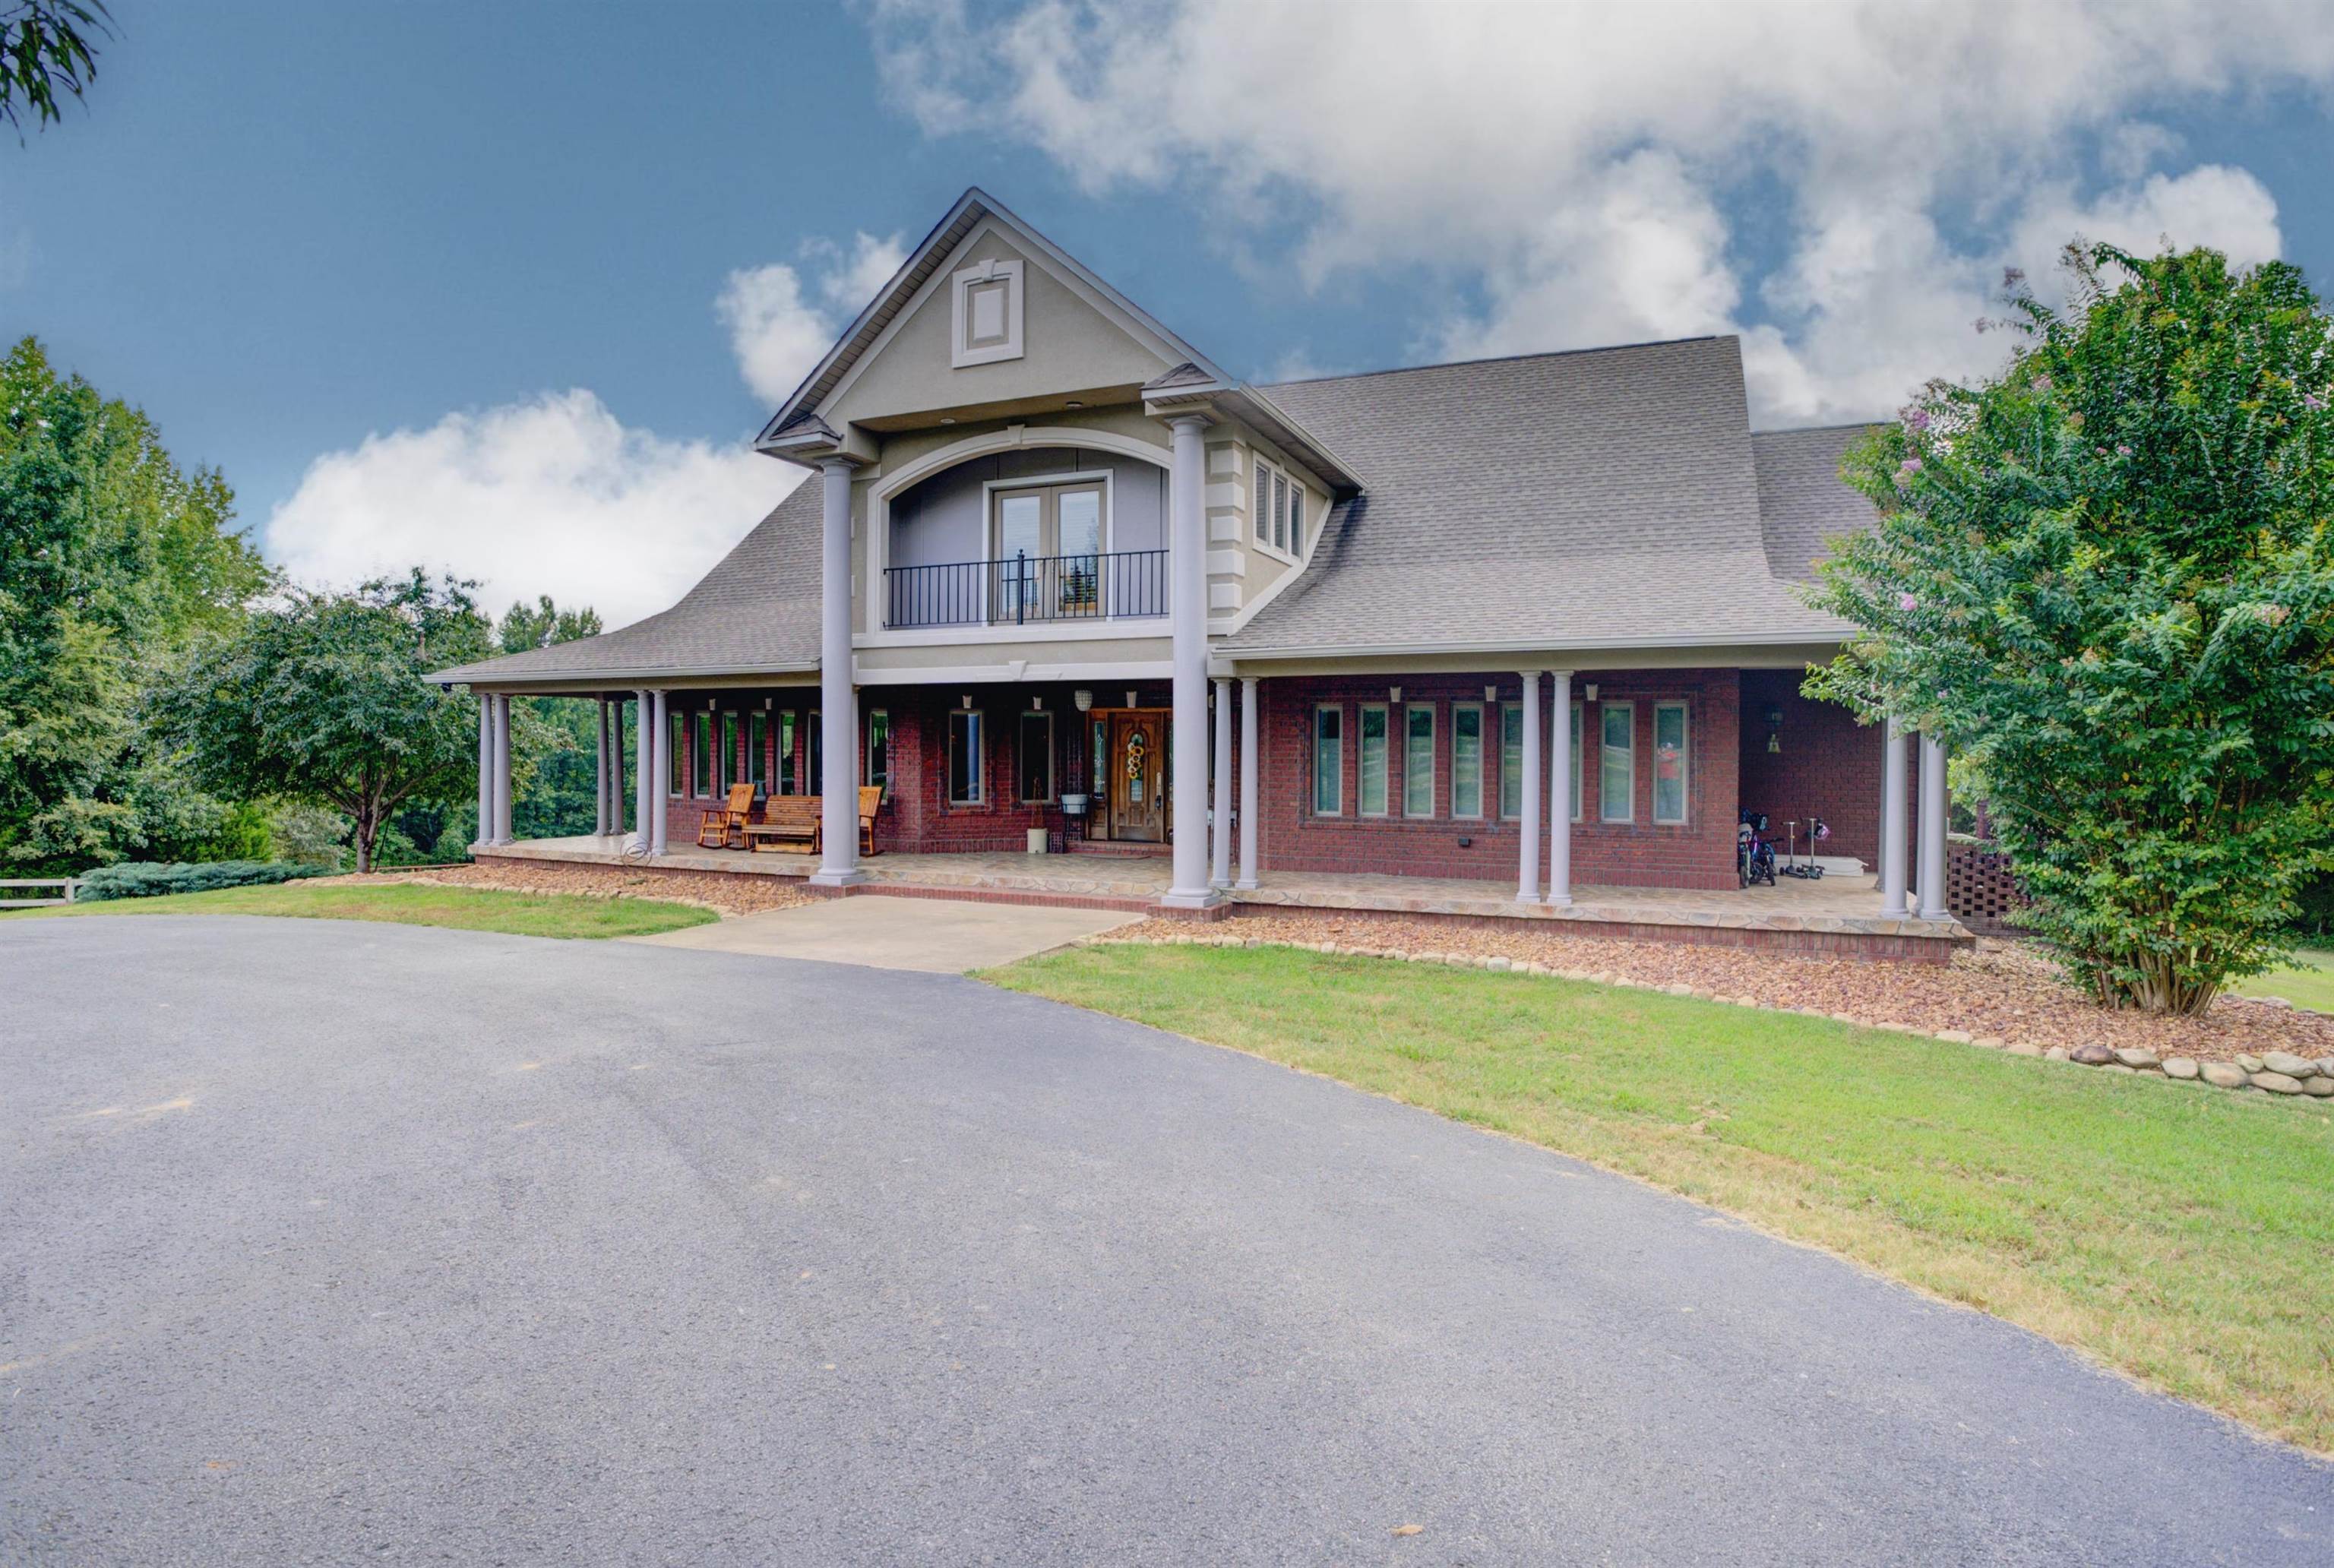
pixel 1837 915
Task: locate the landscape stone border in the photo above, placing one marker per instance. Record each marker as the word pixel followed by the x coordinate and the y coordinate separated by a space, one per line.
pixel 2271 1073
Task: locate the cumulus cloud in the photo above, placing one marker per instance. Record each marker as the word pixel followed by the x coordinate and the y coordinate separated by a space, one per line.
pixel 1585 171
pixel 781 322
pixel 555 495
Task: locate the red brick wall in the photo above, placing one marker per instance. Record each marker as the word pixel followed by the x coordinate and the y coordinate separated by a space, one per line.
pixel 1828 765
pixel 1700 853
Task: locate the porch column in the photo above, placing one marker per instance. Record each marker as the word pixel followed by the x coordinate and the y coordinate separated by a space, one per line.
pixel 1219 869
pixel 838 698
pixel 1892 822
pixel 661 747
pixel 1250 762
pixel 1187 596
pixel 1559 791
pixel 1933 831
pixel 600 774
pixel 485 833
pixel 644 838
pixel 502 770
pixel 616 765
pixel 1527 871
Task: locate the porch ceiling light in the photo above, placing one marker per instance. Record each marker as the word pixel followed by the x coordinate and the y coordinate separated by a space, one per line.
pixel 1071 403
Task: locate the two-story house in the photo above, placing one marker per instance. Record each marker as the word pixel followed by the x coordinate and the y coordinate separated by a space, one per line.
pixel 1528 621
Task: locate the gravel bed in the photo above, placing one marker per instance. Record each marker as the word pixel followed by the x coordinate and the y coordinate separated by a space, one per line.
pixel 2002 994
pixel 725 895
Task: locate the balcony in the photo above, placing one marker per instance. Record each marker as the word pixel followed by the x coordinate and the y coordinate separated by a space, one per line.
pixel 1028 591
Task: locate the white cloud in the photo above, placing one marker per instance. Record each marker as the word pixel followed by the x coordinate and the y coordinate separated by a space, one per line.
pixel 1585 168
pixel 781 323
pixel 549 497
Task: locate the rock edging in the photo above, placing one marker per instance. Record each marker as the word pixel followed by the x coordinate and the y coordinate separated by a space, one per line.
pixel 2271 1073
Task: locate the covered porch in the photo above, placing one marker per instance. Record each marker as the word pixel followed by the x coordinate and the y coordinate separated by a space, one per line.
pixel 1839 915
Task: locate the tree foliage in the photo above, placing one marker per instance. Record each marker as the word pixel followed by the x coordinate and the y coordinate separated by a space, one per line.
pixel 45 51
pixel 2107 576
pixel 324 700
pixel 112 561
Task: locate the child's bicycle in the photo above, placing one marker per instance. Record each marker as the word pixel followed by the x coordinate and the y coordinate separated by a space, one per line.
pixel 1754 855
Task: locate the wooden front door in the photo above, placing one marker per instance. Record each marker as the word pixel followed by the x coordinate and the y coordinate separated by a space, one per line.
pixel 1137 761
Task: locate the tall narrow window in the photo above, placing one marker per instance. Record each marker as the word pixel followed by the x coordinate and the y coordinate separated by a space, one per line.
pixel 816 780
pixel 1263 504
pixel 700 756
pixel 1280 511
pixel 1373 801
pixel 1669 762
pixel 1418 760
pixel 1467 759
pixel 1616 771
pixel 1511 760
pixel 727 764
pixel 967 758
pixel 1329 761
pixel 1576 762
pixel 758 752
pixel 879 751
pixel 1035 755
pixel 1296 519
pixel 790 780
pixel 676 753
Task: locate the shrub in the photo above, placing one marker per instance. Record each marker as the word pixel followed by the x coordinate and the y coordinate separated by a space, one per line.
pixel 148 879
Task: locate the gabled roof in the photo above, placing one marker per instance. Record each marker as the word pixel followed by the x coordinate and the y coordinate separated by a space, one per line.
pixel 1802 501
pixel 756 613
pixel 930 254
pixel 1604 497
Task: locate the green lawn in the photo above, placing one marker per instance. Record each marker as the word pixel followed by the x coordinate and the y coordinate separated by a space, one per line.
pixel 419 904
pixel 2309 982
pixel 2183 1234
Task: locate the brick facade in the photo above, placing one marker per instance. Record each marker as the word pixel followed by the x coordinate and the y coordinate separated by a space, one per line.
pixel 1827 764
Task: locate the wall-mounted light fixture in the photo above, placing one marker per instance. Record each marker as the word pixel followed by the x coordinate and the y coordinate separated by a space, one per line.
pixel 967 702
pixel 1130 696
pixel 1774 727
pixel 1490 694
pixel 1393 694
pixel 1083 699
pixel 1588 692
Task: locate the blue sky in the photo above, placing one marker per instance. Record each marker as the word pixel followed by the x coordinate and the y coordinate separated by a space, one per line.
pixel 446 283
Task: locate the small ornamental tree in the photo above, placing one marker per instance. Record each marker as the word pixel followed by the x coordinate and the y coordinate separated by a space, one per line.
pixel 2107 576
pixel 323 701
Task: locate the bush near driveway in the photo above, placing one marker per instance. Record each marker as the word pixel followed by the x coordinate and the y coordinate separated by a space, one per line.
pixel 147 880
pixel 417 904
pixel 2180 1234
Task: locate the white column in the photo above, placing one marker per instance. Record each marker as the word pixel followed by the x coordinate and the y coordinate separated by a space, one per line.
pixel 662 742
pixel 1892 822
pixel 1560 790
pixel 600 773
pixel 1933 831
pixel 645 765
pixel 485 833
pixel 616 765
pixel 1187 572
pixel 1250 762
pixel 502 771
pixel 1219 868
pixel 1528 867
pixel 838 699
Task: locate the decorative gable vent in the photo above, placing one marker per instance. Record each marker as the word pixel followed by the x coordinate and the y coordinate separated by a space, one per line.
pixel 985 314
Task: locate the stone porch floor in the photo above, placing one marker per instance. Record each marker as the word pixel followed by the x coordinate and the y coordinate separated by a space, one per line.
pixel 1839 907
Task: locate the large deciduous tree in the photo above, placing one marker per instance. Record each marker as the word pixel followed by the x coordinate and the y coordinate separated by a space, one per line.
pixel 2107 573
pixel 324 700
pixel 112 561
pixel 47 54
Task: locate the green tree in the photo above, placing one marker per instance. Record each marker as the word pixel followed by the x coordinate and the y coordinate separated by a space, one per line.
pixel 557 798
pixel 112 561
pixel 323 701
pixel 2107 574
pixel 46 49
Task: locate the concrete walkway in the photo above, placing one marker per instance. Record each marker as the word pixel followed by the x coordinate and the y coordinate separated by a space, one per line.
pixel 935 936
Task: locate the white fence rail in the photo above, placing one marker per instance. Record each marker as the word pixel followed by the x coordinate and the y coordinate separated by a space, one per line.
pixel 67 888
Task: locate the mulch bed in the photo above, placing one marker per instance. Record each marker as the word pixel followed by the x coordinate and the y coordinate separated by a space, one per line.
pixel 727 895
pixel 2003 990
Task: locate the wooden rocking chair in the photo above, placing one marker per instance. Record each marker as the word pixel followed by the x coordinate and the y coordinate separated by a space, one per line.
pixel 871 800
pixel 717 827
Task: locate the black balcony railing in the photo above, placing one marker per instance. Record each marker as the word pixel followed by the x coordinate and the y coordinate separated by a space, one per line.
pixel 1028 590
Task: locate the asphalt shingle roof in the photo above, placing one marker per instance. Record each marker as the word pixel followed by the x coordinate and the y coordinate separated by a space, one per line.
pixel 757 610
pixel 1607 496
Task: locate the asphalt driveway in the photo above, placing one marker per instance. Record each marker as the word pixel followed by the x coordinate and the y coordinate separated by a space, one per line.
pixel 334 1242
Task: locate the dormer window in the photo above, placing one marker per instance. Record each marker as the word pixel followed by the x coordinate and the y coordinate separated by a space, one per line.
pixel 1280 511
pixel 985 314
